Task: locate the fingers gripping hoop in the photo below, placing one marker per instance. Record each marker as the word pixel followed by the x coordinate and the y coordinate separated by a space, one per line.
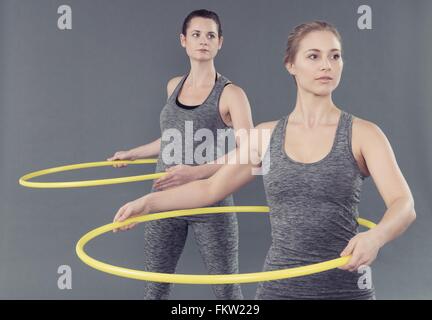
pixel 87 183
pixel 201 279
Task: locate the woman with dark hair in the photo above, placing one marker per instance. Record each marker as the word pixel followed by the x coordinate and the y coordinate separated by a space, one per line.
pixel 315 159
pixel 201 100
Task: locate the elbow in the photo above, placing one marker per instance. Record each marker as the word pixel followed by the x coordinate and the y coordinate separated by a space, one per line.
pixel 413 215
pixel 411 211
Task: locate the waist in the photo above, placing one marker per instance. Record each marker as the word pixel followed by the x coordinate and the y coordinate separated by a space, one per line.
pixel 330 284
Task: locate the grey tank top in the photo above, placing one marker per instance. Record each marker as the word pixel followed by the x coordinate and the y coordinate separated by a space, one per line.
pixel 313 215
pixel 194 125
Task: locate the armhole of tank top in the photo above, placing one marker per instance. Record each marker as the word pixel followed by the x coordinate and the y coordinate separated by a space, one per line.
pixel 350 150
pixel 218 105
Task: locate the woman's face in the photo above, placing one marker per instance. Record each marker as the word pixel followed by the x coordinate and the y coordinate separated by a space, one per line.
pixel 202 41
pixel 318 63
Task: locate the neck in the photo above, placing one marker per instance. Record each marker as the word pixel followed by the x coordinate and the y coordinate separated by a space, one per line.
pixel 202 73
pixel 312 110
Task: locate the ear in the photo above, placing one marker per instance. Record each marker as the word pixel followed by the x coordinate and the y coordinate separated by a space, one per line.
pixel 290 68
pixel 182 40
pixel 220 42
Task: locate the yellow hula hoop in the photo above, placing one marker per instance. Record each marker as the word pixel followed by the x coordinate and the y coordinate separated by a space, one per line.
pixel 201 279
pixel 87 183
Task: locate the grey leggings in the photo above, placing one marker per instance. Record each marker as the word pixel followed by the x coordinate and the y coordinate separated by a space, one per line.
pixel 217 239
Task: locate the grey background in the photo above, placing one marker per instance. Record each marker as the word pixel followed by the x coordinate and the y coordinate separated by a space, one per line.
pixel 80 95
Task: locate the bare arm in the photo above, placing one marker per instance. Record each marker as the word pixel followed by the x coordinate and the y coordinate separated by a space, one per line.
pixel 145 151
pixel 199 193
pixel 391 184
pixel 148 150
pixel 393 188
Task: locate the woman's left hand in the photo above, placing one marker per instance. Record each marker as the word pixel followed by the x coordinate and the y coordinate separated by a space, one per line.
pixel 176 176
pixel 364 249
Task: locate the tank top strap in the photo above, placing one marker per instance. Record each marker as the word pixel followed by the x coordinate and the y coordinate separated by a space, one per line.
pixel 276 147
pixel 343 134
pixel 220 84
pixel 174 94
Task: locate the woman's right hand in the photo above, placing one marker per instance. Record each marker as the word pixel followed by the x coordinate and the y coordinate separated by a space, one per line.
pixel 131 209
pixel 121 155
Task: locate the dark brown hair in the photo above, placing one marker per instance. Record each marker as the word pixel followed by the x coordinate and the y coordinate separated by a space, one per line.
pixel 202 13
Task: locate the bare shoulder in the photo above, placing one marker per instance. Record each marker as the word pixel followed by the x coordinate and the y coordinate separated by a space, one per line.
pixel 233 91
pixel 172 84
pixel 232 95
pixel 368 139
pixel 365 130
pixel 234 105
